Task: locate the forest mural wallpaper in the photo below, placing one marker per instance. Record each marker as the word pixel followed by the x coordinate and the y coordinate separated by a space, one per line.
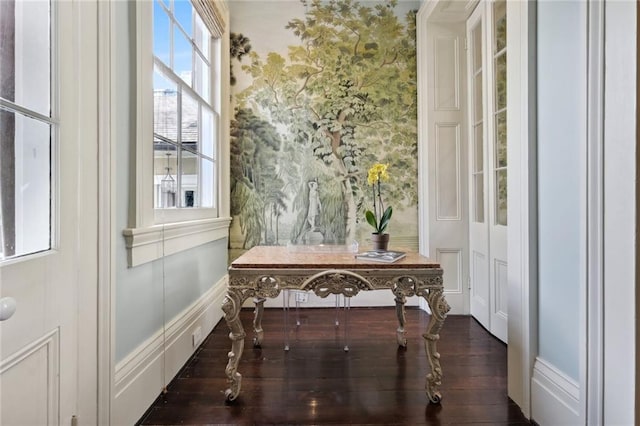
pixel 321 90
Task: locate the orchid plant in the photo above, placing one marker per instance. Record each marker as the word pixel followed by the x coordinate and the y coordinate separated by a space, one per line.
pixel 379 217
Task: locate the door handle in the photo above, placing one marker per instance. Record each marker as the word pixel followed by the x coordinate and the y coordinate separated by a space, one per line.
pixel 7 308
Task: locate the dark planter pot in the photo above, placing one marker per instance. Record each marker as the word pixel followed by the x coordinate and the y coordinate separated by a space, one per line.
pixel 380 241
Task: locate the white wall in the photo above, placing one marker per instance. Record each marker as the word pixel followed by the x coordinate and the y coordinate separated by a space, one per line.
pixel 561 129
pixel 159 305
pixel 558 379
pixel 186 275
pixel 620 230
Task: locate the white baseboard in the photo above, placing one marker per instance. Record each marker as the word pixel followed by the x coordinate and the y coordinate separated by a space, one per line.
pixel 555 397
pixel 139 376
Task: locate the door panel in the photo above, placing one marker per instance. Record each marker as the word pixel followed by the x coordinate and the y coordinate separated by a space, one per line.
pixel 486 32
pixel 38 362
pixel 480 304
pixel 41 353
pixel 447 152
pixel 497 161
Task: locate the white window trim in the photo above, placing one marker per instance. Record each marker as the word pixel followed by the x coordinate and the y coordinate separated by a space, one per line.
pixel 149 238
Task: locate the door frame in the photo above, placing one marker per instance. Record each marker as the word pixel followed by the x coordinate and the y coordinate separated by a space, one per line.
pixel 522 267
pixel 106 215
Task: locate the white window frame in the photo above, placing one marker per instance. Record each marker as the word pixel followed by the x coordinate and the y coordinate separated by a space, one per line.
pixel 154 233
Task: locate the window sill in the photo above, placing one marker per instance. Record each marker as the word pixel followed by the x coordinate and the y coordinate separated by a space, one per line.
pixel 152 243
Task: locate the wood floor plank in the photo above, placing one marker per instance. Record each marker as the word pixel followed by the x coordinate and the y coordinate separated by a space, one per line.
pixel 317 382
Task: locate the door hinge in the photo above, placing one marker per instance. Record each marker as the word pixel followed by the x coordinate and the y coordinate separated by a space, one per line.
pixel 469 283
pixel 466 46
pixel 74 420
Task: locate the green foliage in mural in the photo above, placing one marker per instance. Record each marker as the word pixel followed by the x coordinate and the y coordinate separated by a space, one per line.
pixel 343 99
pixel 255 185
pixel 239 47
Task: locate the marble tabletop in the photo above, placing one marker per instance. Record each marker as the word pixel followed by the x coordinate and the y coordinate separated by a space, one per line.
pixel 277 257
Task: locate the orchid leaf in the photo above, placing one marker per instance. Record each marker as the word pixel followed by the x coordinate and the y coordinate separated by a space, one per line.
pixel 371 219
pixel 384 220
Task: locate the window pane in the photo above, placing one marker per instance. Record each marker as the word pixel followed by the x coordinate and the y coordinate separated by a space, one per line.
pixel 25 64
pixel 25 167
pixel 478 197
pixel 209 132
pixel 190 128
pixel 477 98
pixel 165 106
pixel 182 56
pixel 501 197
pixel 207 173
pixel 501 140
pixel 202 36
pixel 183 11
pixel 478 158
pixel 202 78
pixel 189 194
pixel 500 25
pixel 165 166
pixel 161 33
pixel 501 81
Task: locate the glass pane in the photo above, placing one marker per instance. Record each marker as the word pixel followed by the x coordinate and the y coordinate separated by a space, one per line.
pixel 190 128
pixel 25 167
pixel 165 166
pixel 161 33
pixel 189 194
pixel 501 81
pixel 25 61
pixel 476 33
pixel 477 98
pixel 478 197
pixel 165 106
pixel 209 130
pixel 183 11
pixel 202 36
pixel 182 56
pixel 501 140
pixel 478 158
pixel 202 79
pixel 500 25
pixel 207 173
pixel 501 198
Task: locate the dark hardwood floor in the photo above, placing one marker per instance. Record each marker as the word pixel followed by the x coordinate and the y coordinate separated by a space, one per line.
pixel 317 382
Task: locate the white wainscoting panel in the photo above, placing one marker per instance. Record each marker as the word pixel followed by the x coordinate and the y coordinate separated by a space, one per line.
pixel 139 376
pixel 555 397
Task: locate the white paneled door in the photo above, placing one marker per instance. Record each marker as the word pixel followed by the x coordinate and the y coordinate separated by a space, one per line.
pixel 486 57
pixel 48 250
pixel 447 152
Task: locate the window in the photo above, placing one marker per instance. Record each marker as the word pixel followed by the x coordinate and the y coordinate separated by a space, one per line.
pixel 185 121
pixel 500 110
pixel 182 143
pixel 477 135
pixel 27 128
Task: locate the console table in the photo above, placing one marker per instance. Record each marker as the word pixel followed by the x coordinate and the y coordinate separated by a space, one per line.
pixel 264 271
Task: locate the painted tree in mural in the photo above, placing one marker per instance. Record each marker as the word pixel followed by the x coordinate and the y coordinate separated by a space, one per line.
pixel 347 98
pixel 256 196
pixel 239 47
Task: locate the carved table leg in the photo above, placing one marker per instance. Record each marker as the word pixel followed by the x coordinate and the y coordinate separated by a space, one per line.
pixel 257 321
pixel 400 301
pixel 231 308
pixel 439 308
